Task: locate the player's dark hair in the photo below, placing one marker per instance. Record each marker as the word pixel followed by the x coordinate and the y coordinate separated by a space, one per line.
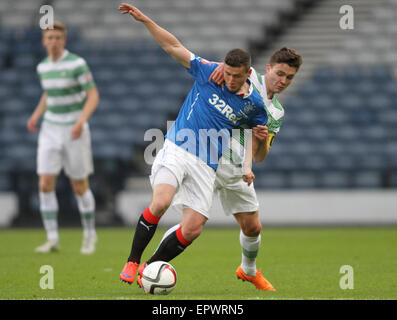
pixel 288 56
pixel 238 58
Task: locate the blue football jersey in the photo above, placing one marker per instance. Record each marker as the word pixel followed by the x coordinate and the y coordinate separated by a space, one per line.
pixel 210 112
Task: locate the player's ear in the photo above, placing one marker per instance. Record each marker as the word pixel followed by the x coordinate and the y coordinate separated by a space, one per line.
pixel 268 67
pixel 249 72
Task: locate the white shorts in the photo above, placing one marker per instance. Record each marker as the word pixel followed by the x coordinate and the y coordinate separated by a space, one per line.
pixel 57 150
pixel 195 178
pixel 234 193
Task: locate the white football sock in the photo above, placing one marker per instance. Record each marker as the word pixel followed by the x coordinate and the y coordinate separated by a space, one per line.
pixel 250 249
pixel 86 205
pixel 49 214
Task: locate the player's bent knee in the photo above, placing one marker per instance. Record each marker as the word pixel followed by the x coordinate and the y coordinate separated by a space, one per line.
pixel 79 186
pixel 46 184
pixel 252 229
pixel 46 188
pixel 191 232
pixel 159 206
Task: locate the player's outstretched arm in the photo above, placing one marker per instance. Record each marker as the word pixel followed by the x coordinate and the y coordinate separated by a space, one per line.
pixel 166 40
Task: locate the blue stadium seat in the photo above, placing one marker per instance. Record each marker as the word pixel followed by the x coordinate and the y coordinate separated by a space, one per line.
pixel 363 116
pixel 343 162
pixel 25 61
pixel 335 117
pixel 352 73
pixel 14 106
pixel 389 89
pixel 303 119
pixel 285 162
pixel 324 74
pixel 393 180
pixel 10 77
pixel 321 102
pixel 351 102
pixel 315 162
pixel 270 180
pixel 131 104
pixel 317 133
pixel 309 89
pixel 5 182
pixel 296 103
pixel 345 133
pixel 374 134
pixel 371 162
pixel 290 133
pixel 336 88
pixel 369 179
pixel 381 73
pixel 388 117
pixel 334 179
pixel 161 105
pixel 379 101
pixel 23 156
pixel 109 151
pixel 303 180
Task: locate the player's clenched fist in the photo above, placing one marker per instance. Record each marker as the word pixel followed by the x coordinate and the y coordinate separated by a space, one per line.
pixel 32 124
pixel 249 178
pixel 217 76
pixel 260 132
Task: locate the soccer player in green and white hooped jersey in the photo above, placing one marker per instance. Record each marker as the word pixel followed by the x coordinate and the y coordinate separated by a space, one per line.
pixel 69 99
pixel 235 188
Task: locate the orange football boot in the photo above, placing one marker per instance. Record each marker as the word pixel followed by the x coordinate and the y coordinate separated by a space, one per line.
pixel 140 272
pixel 258 280
pixel 128 272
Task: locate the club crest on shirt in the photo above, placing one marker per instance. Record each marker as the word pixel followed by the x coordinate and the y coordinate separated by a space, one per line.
pixel 247 109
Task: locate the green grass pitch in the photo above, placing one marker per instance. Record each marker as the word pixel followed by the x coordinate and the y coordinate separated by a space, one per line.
pixel 302 263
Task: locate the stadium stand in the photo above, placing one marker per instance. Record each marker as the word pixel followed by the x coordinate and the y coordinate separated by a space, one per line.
pixel 340 126
pixel 345 102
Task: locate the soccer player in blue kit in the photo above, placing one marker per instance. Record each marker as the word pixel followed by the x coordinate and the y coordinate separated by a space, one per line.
pixel 187 163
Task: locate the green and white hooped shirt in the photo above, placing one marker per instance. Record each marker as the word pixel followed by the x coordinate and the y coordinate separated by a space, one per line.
pixel 65 82
pixel 275 112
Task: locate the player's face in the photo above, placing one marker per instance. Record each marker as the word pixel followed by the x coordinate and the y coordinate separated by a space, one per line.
pixel 279 76
pixel 235 77
pixel 54 41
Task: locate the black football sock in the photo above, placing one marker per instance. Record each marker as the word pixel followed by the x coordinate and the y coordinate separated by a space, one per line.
pixel 173 245
pixel 145 229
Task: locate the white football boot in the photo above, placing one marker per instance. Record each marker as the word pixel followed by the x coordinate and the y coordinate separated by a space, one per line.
pixel 48 246
pixel 88 246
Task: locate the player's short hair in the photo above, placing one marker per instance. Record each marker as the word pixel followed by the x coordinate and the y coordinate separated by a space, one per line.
pixel 238 58
pixel 288 56
pixel 57 26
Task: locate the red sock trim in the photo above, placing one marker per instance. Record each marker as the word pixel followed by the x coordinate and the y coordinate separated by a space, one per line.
pixel 180 237
pixel 150 217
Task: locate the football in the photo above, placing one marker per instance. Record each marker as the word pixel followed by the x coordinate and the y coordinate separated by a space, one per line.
pixel 159 277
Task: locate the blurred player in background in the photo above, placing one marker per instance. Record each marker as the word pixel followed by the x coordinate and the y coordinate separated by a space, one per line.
pixel 182 174
pixel 69 99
